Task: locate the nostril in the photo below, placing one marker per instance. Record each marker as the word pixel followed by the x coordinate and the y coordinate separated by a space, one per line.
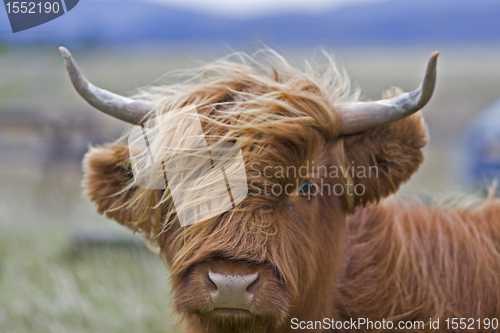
pixel 254 285
pixel 211 286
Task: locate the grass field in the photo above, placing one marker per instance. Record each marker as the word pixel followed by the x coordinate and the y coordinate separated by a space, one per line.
pixel 49 285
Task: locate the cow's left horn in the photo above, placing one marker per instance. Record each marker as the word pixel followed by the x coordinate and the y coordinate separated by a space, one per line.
pixel 120 107
pixel 361 116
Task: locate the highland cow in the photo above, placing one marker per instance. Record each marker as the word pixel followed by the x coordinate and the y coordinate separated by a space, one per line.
pixel 310 259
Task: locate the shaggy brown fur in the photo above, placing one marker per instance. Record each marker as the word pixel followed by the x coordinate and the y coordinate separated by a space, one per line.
pixel 328 257
pixel 407 261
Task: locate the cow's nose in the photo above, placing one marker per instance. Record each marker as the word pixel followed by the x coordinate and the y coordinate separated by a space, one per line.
pixel 232 291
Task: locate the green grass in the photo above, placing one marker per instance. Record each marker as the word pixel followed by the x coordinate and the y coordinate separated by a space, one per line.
pixel 48 285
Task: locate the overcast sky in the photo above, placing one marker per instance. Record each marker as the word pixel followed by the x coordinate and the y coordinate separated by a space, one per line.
pixel 247 8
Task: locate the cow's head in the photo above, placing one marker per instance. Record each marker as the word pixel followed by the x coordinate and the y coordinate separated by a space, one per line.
pixel 312 154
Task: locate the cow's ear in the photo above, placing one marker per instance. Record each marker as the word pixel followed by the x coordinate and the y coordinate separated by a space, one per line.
pixel 108 181
pixel 388 156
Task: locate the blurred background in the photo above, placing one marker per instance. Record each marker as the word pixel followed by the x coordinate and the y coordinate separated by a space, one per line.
pixel 64 268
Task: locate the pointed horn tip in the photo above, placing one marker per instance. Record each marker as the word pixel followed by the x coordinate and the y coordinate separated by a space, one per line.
pixel 434 57
pixel 64 52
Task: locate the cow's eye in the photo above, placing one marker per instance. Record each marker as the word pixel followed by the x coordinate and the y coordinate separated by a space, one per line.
pixel 308 188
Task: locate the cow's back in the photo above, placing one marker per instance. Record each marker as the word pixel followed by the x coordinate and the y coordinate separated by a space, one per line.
pixel 407 261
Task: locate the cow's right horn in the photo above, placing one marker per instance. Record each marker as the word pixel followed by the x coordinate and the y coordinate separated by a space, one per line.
pixel 123 108
pixel 362 116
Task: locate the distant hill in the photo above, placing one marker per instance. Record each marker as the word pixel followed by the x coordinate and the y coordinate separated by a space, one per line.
pixel 390 22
